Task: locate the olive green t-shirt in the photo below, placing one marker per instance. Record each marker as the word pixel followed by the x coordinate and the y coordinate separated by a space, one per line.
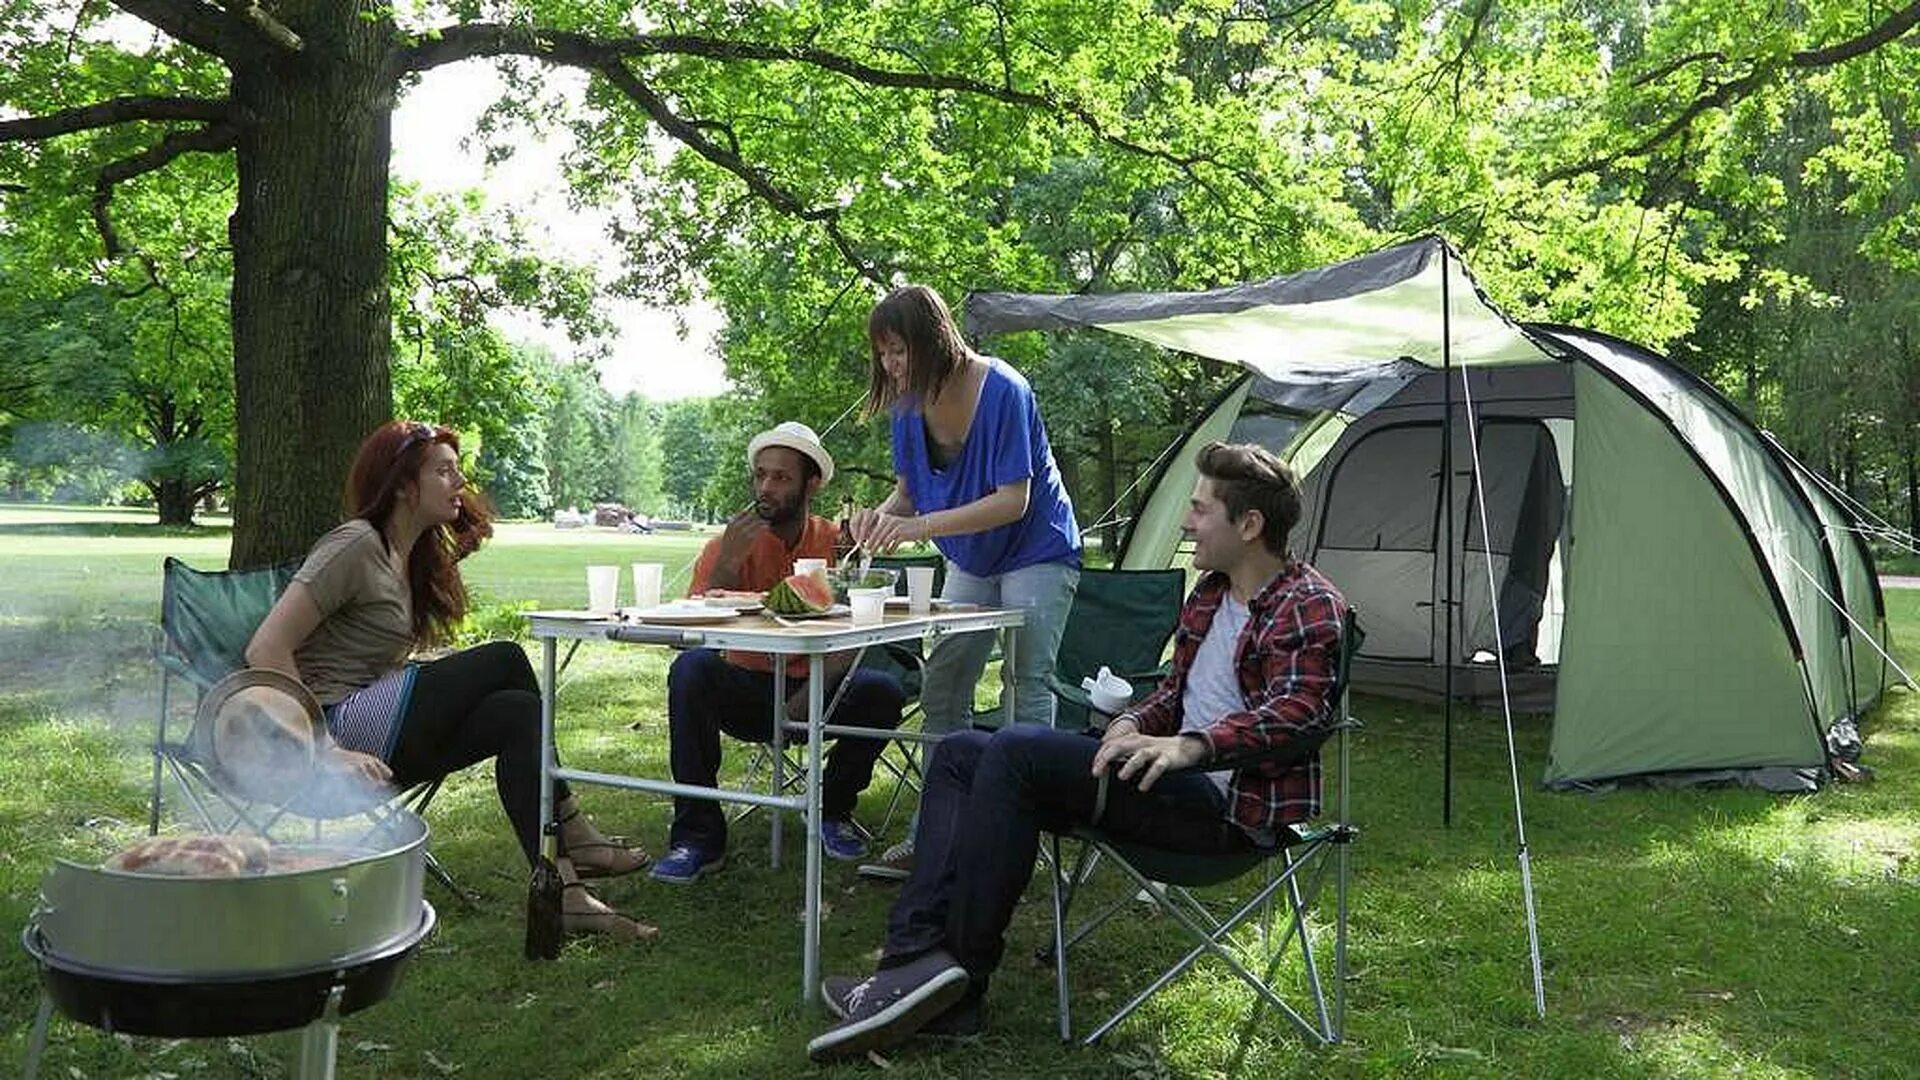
pixel 366 613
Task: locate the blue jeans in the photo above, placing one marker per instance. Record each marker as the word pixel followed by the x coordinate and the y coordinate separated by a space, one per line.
pixel 988 795
pixel 1045 593
pixel 706 695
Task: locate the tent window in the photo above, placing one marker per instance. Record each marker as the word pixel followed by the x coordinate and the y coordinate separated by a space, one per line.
pixel 1267 424
pixel 1385 492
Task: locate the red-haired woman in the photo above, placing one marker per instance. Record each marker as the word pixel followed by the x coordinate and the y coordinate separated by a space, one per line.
pixel 385 583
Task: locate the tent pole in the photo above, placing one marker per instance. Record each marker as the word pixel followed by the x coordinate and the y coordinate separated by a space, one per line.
pixel 1446 543
pixel 1525 857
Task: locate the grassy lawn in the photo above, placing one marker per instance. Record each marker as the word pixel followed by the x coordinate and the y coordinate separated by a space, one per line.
pixel 1686 933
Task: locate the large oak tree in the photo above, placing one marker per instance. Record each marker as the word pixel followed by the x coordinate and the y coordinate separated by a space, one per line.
pixel 300 93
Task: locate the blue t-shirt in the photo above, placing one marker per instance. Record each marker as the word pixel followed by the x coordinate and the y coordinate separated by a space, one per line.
pixel 1006 444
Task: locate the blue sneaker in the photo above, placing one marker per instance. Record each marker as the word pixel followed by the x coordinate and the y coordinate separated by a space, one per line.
pixel 840 840
pixel 685 864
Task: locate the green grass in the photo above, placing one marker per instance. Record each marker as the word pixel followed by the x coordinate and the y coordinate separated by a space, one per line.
pixel 1686 934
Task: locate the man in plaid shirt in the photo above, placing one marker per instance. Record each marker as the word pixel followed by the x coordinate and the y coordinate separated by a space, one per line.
pixel 1253 667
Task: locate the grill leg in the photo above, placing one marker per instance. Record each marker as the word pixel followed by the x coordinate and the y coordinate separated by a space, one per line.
pixel 320 1040
pixel 37 1042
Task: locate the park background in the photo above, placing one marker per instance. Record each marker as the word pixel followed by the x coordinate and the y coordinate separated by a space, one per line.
pixel 213 283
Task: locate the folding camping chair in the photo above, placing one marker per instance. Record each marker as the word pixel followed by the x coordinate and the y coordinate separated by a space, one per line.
pixel 1120 619
pixel 206 619
pixel 1167 879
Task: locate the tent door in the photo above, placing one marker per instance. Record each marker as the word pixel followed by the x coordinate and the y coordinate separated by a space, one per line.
pixel 1526 500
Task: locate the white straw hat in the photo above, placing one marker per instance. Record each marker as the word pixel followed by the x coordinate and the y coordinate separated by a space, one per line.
pixel 794 435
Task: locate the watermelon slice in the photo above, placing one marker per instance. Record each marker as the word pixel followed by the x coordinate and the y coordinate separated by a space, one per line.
pixel 801 594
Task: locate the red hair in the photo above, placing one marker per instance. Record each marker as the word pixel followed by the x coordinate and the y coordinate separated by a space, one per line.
pixel 388 459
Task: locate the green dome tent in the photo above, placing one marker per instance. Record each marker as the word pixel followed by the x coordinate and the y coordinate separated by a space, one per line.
pixel 1675 589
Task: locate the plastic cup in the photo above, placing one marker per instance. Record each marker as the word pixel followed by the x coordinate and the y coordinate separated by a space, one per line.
pixel 646 584
pixel 919 589
pixel 808 566
pixel 603 589
pixel 868 605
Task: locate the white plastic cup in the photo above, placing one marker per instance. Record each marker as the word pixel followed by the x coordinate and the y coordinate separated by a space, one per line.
pixel 919 589
pixel 646 584
pixel 868 605
pixel 808 566
pixel 603 589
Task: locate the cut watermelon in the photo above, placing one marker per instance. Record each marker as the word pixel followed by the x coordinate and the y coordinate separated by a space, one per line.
pixel 801 594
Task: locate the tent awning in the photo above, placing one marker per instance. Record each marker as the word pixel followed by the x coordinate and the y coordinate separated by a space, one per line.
pixel 1342 321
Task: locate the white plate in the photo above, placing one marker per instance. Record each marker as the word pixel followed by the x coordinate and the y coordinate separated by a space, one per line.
pixel 572 616
pixel 682 614
pixel 742 604
pixel 837 611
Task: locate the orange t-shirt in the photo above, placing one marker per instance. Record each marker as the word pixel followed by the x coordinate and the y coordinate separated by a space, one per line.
pixel 766 563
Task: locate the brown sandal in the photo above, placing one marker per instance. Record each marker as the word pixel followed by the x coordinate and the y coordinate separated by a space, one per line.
pixel 608 922
pixel 620 858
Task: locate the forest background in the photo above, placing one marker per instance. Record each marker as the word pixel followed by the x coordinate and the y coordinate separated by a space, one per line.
pixel 211 286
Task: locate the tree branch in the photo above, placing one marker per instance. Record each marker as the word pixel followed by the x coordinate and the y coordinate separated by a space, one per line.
pixel 1722 94
pixel 689 135
pixel 118 110
pixel 265 25
pixel 213 138
pixel 491 39
pixel 200 25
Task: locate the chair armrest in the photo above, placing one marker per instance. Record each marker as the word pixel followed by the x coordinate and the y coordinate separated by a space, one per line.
pixel 1291 752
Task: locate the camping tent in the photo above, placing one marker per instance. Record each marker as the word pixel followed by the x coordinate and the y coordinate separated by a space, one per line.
pixel 1681 595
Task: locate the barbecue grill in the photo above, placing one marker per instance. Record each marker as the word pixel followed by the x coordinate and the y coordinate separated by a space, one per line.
pixel 193 957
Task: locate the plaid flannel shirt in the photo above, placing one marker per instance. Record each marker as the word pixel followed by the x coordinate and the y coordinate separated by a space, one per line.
pixel 1286 659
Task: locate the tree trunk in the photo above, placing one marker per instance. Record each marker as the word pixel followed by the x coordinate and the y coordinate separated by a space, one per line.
pixel 1913 485
pixel 311 313
pixel 174 498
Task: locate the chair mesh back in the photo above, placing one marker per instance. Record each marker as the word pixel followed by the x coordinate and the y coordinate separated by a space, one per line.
pixel 209 616
pixel 1120 619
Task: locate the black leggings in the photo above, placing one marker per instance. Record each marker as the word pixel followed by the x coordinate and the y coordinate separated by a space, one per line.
pixel 476 704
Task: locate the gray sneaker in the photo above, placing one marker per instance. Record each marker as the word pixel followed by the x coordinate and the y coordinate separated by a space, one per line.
pixel 896 863
pixel 962 1022
pixel 886 1008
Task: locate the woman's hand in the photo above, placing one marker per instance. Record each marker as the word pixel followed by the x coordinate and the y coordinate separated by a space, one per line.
pixel 356 765
pixel 879 532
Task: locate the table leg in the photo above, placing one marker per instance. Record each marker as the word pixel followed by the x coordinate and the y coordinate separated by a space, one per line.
pixel 1009 659
pixel 779 751
pixel 551 843
pixel 816 703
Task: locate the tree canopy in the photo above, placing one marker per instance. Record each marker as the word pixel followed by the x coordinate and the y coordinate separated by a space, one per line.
pixel 1658 170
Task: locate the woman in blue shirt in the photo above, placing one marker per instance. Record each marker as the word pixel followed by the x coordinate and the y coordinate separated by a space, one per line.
pixel 976 477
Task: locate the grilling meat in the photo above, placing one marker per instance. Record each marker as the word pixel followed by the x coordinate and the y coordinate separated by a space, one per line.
pixel 193 856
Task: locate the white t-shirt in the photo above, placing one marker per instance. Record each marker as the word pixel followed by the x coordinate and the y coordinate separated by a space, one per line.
pixel 1213 687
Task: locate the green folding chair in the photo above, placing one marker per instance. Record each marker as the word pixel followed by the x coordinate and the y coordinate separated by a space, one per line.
pixel 1299 867
pixel 1122 620
pixel 207 617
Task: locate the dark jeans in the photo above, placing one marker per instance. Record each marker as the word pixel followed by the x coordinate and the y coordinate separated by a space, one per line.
pixel 706 695
pixel 987 797
pixel 476 704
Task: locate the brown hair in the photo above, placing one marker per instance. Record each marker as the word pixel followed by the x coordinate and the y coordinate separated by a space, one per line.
pixel 1247 476
pixel 387 460
pixel 918 317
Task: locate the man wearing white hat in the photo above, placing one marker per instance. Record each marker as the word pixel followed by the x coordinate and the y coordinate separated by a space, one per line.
pixel 708 693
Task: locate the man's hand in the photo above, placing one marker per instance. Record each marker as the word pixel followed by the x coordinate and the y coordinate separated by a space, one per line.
pixel 742 530
pixel 359 766
pixel 1145 758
